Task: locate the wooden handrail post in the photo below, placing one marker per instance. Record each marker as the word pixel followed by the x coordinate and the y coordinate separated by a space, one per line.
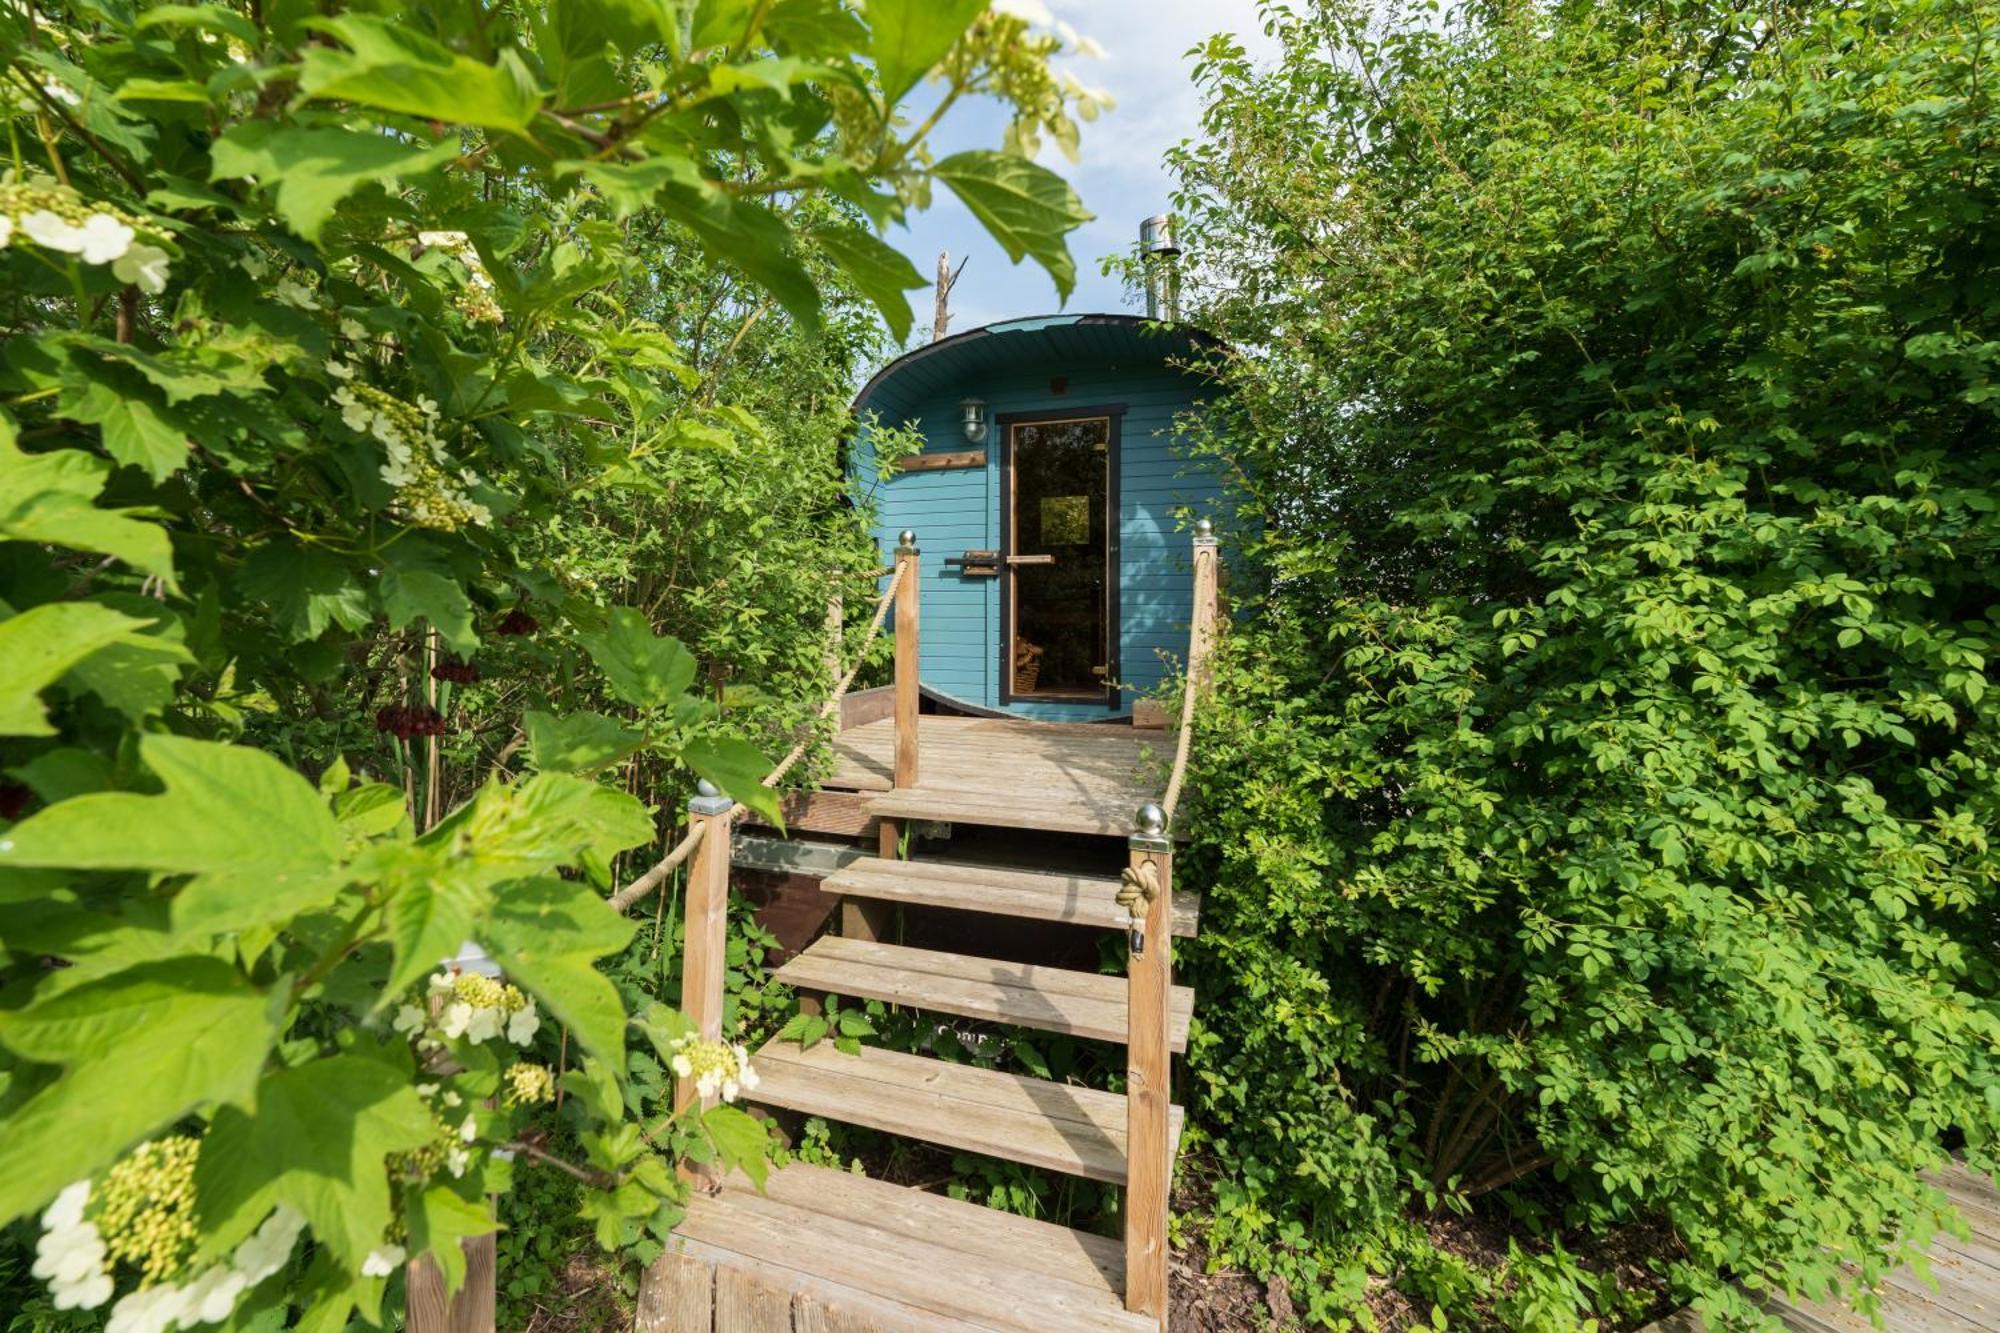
pixel 1148 1083
pixel 909 588
pixel 707 924
pixel 705 957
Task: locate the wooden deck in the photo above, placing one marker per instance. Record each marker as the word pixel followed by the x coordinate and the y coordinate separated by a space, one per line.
pixel 1961 1294
pixel 1061 777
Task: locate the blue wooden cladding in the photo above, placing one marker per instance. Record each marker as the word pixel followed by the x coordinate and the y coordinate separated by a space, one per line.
pixel 1114 366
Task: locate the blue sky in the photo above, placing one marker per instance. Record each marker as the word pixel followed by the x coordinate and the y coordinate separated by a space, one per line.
pixel 1120 175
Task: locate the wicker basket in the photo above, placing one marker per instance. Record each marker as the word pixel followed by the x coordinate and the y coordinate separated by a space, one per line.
pixel 1027 666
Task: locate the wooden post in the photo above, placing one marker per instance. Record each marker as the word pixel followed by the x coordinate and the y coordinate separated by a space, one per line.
pixel 707 923
pixel 1148 1082
pixel 475 1306
pixel 909 591
pixel 867 920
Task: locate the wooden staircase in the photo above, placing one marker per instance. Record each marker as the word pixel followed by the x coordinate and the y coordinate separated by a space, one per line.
pixel 884 1256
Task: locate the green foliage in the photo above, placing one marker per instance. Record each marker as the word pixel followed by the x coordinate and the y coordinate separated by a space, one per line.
pixel 1598 804
pixel 336 349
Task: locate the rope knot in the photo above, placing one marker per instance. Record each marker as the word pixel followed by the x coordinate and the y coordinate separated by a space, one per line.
pixel 1138 886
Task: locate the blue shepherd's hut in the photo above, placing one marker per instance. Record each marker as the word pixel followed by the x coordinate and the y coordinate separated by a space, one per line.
pixel 1053 501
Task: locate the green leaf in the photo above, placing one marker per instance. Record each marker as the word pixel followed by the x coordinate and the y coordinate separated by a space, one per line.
pixel 664 1025
pixel 40 645
pixel 577 742
pixel 138 674
pixel 881 272
pixel 740 1141
pixel 312 170
pixel 306 589
pixel 438 1220
pixel 317 1141
pixel 47 498
pixel 134 431
pixel 1025 207
pixel 392 67
pixel 255 835
pixel 369 811
pixel 419 594
pixel 207 18
pixel 430 916
pixel 808 1030
pixel 143 1047
pixel 548 933
pixel 739 769
pixel 643 668
pixel 750 237
pixel 779 74
pixel 908 37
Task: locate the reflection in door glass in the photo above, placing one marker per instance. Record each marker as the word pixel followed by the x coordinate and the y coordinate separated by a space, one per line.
pixel 1062 542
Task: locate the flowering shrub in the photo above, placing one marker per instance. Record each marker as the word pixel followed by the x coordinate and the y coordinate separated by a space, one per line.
pixel 325 334
pixel 1603 781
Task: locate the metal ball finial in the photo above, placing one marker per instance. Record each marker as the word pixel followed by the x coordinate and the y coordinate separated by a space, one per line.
pixel 1152 820
pixel 1203 529
pixel 907 537
pixel 705 789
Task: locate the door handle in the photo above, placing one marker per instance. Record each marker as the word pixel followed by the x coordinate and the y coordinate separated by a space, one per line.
pixel 1031 560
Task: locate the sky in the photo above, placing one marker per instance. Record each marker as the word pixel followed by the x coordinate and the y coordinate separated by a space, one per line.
pixel 1120 177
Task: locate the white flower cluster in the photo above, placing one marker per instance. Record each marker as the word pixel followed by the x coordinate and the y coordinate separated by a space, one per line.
pixel 425 493
pixel 72 1256
pixel 475 1008
pixel 476 302
pixel 58 220
pixel 715 1066
pixel 1035 13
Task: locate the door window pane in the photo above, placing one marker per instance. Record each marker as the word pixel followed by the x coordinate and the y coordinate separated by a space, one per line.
pixel 1061 485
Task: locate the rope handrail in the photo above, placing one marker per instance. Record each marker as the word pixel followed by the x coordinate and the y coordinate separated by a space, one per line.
pixel 1201 641
pixel 623 900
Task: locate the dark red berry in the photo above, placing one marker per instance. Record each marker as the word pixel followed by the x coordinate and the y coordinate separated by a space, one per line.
pixel 455 671
pixel 518 621
pixel 14 800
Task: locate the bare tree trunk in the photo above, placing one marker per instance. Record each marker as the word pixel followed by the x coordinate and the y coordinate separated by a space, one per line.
pixel 941 319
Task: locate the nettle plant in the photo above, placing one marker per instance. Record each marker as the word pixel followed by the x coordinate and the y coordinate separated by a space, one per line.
pixel 306 334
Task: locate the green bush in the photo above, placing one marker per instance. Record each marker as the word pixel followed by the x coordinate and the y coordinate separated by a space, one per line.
pixel 1596 813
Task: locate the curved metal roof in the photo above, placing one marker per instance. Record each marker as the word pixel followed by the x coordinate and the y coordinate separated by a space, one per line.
pixel 1016 342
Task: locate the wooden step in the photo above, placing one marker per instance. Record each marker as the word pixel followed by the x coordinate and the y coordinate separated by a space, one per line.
pixel 1080 1131
pixel 1053 999
pixel 972 803
pixel 896 1258
pixel 1084 900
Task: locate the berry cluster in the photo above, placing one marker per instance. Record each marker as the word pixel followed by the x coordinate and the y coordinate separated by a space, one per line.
pixel 407 720
pixel 456 671
pixel 518 622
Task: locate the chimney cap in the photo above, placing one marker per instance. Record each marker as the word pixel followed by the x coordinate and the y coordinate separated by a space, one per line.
pixel 1156 236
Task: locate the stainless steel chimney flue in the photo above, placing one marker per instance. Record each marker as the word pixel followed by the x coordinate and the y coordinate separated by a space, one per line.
pixel 1159 254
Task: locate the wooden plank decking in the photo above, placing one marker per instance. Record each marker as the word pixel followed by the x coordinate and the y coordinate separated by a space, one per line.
pixel 1082 900
pixel 1061 777
pixel 1961 1295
